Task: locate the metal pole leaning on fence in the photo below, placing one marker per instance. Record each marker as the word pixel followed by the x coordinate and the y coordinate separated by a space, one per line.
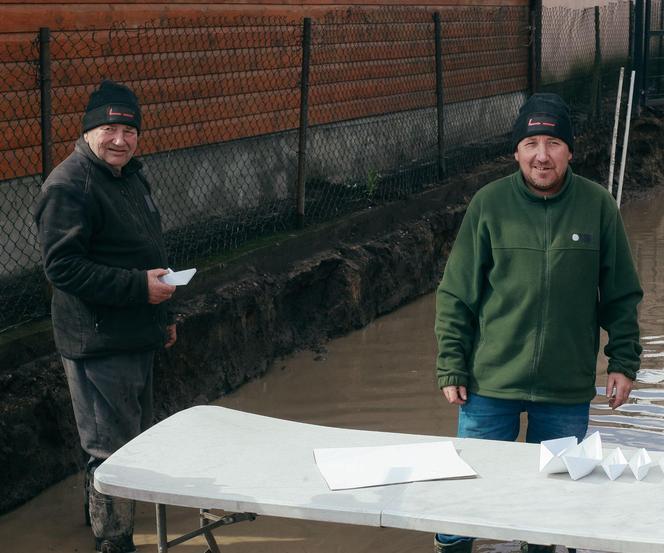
pixel 45 92
pixel 439 95
pixel 304 120
pixel 614 140
pixel 626 138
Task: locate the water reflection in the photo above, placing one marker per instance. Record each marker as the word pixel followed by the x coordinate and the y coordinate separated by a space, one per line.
pixel 640 423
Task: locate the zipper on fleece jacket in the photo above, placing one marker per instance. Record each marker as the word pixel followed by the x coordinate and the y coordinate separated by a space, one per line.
pixel 544 310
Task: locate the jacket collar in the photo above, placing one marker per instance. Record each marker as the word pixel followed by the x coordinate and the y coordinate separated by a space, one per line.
pixel 522 188
pixel 83 148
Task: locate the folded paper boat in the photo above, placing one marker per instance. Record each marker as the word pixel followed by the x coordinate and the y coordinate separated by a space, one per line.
pixel 640 464
pixel 551 452
pixel 614 464
pixel 582 459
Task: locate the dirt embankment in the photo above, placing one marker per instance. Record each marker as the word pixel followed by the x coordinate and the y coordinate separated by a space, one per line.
pixel 236 318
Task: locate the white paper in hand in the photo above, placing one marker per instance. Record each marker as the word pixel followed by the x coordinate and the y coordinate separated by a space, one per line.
pixel 178 278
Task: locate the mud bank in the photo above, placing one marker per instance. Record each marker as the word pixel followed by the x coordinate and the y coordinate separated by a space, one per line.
pixel 239 316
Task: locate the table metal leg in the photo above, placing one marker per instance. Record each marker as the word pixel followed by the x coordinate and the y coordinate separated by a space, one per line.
pixel 208 522
pixel 162 536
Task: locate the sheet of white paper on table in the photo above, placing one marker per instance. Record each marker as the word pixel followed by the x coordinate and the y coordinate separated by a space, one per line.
pixel 640 464
pixel 614 464
pixel 359 467
pixel 582 459
pixel 551 452
pixel 178 278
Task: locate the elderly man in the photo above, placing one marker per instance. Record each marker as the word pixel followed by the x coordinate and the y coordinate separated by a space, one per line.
pixel 103 252
pixel 540 263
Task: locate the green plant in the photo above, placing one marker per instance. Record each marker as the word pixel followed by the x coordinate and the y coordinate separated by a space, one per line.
pixel 373 180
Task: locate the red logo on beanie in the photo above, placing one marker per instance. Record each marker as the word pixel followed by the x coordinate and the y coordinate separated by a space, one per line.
pixel 532 123
pixel 112 112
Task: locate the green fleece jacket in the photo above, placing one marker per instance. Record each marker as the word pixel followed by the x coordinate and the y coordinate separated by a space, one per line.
pixel 528 284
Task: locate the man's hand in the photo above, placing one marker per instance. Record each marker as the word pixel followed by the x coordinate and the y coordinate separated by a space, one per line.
pixel 455 394
pixel 157 290
pixel 171 335
pixel 618 387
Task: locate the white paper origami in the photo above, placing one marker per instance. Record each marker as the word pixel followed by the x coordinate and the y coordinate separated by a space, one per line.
pixel 582 459
pixel 640 464
pixel 551 452
pixel 614 464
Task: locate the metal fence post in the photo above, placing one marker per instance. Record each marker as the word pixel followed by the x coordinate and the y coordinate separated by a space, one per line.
pixel 45 91
pixel 638 50
pixel 438 35
pixel 646 53
pixel 630 40
pixel 304 120
pixel 535 73
pixel 660 51
pixel 596 91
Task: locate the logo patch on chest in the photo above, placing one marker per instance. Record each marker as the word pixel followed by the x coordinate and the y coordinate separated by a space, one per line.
pixel 582 237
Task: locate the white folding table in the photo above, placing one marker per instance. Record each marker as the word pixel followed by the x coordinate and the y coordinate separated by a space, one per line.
pixel 217 458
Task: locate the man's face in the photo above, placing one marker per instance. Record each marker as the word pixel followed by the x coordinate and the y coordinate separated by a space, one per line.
pixel 543 161
pixel 114 143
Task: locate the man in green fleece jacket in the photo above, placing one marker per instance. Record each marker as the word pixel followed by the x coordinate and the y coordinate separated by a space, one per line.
pixel 540 263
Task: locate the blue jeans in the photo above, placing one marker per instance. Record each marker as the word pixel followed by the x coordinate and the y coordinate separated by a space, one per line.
pixel 498 419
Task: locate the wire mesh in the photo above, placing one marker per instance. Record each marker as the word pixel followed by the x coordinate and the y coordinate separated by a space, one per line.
pixel 654 82
pixel 221 104
pixel 22 286
pixel 582 52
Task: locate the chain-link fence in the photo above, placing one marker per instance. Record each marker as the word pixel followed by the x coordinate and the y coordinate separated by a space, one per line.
pixel 582 52
pixel 257 125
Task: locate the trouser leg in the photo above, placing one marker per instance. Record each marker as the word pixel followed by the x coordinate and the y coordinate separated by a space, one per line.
pixel 488 419
pixel 548 421
pixel 112 401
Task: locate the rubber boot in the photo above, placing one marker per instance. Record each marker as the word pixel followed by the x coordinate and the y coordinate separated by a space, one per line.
pixel 86 496
pixel 112 521
pixel 460 546
pixel 90 467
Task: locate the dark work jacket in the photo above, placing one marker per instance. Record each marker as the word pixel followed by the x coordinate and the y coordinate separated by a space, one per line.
pixel 99 234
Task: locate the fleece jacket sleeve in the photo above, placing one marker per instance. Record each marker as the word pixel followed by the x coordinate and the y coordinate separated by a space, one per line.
pixel 458 299
pixel 619 296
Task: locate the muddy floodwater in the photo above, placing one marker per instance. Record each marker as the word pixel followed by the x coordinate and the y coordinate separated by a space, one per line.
pixel 378 378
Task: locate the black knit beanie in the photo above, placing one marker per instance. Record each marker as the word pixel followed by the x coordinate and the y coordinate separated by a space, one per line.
pixel 112 103
pixel 543 113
